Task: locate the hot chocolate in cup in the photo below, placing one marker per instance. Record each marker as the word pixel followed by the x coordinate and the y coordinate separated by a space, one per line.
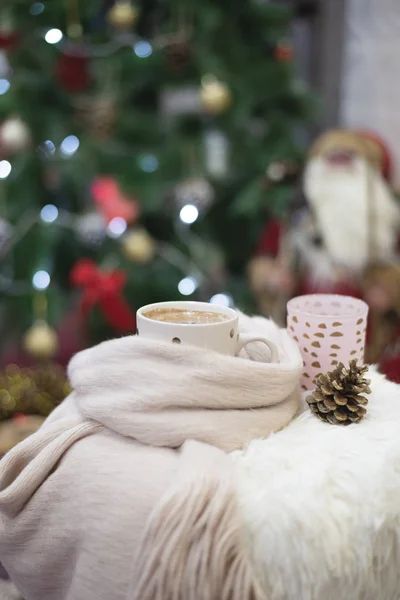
pixel 185 316
pixel 197 324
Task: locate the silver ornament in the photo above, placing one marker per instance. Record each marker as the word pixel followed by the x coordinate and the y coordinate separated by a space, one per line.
pixel 15 135
pixel 91 228
pixel 276 171
pixel 196 191
pixel 184 100
pixel 216 153
pixel 215 95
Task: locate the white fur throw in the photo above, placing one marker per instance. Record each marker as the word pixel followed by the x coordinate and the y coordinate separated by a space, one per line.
pixel 322 505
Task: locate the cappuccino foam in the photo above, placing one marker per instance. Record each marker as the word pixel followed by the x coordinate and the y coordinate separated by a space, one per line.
pixel 185 316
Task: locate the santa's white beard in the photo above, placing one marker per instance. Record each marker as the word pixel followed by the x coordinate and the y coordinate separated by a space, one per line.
pixel 338 197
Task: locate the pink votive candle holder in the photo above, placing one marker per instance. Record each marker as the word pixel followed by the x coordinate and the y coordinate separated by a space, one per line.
pixel 328 329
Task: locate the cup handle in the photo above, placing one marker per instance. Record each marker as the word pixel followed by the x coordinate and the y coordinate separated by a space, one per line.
pixel 245 339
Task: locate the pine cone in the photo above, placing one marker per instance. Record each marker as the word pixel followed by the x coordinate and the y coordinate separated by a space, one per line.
pixel 338 398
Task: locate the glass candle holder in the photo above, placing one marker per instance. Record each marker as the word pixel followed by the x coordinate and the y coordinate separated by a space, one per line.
pixel 328 329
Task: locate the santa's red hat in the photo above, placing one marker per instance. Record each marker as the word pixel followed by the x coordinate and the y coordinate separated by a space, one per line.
pixel 365 143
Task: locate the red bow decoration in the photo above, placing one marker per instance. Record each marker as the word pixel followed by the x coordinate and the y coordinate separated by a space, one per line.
pixel 105 289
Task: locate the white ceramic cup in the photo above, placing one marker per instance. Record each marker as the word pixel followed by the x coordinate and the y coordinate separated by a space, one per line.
pixel 222 336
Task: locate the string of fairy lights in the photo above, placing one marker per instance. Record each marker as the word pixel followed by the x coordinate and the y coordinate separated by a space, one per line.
pixel 18 133
pixel 192 196
pixel 116 227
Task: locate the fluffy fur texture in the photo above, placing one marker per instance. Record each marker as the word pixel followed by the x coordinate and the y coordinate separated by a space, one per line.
pixel 201 538
pixel 322 505
pixel 339 197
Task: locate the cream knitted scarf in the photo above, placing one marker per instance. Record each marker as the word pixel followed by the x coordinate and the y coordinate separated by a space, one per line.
pixel 147 425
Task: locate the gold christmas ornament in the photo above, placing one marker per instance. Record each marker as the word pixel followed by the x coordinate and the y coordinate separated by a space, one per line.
pixel 215 95
pixel 40 341
pixel 123 15
pixel 138 245
pixel 339 397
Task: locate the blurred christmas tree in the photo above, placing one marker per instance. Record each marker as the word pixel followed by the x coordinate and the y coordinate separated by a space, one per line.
pixel 143 146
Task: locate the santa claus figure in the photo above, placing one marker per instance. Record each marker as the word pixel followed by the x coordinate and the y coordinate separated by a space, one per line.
pixel 344 241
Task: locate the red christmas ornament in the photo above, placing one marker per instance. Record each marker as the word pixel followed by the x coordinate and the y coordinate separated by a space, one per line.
pixel 104 288
pixel 8 40
pixel 112 202
pixel 284 52
pixel 72 72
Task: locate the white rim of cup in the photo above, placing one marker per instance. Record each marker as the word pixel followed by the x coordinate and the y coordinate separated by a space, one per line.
pixel 355 301
pixel 201 306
